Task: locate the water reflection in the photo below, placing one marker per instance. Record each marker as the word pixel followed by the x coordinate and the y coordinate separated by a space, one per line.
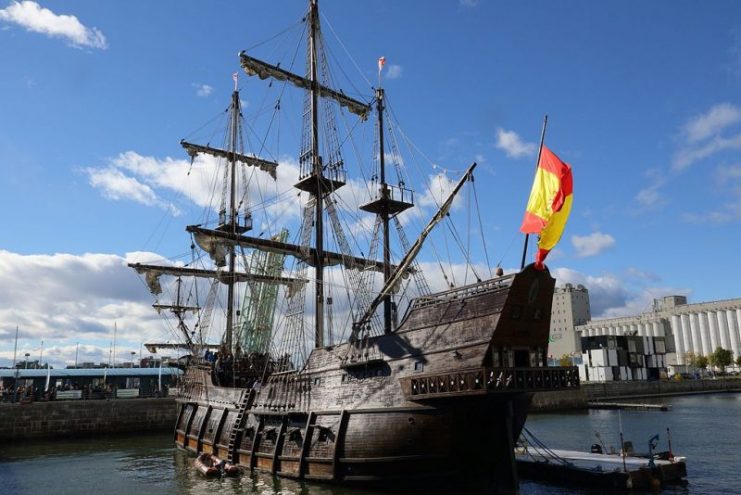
pixel 704 428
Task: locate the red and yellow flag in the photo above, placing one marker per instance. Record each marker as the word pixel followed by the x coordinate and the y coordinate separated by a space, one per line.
pixel 550 203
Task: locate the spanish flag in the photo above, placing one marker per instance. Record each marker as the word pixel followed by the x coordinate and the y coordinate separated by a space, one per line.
pixel 550 203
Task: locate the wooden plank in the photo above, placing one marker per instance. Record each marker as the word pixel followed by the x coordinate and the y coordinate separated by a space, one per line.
pixel 308 434
pixel 256 442
pixel 339 443
pixel 202 428
pixel 177 423
pixel 194 408
pixel 279 444
pixel 220 426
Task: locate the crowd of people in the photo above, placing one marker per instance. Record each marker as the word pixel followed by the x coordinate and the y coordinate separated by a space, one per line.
pixel 238 369
pixel 222 365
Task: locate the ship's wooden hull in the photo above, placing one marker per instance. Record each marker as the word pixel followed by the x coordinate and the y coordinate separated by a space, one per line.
pixel 442 398
pixel 463 440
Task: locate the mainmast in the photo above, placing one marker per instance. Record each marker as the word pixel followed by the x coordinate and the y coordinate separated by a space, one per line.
pixel 317 170
pixel 314 178
pixel 233 221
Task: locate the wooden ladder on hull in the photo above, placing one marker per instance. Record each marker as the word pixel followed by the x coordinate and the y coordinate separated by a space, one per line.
pixel 236 436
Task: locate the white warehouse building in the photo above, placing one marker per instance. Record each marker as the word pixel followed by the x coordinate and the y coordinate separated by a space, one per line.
pixel 689 329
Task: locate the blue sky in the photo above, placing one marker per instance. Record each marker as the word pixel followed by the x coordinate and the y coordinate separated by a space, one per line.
pixel 643 100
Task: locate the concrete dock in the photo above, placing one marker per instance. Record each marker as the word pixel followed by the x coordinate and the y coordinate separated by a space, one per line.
pixel 606 471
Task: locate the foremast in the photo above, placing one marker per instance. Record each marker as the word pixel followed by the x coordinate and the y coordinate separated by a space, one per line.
pixel 232 218
pixel 222 253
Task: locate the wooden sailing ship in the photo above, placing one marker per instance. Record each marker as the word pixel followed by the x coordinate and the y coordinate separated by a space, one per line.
pixel 438 394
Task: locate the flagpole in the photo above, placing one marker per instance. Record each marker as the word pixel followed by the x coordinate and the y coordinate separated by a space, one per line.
pixel 15 349
pixel 537 162
pixel 15 370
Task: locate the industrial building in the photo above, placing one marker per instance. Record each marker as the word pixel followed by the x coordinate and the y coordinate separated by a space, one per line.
pixel 570 308
pixel 671 332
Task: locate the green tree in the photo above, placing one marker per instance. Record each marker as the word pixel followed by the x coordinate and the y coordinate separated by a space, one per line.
pixel 701 362
pixel 721 358
pixel 738 361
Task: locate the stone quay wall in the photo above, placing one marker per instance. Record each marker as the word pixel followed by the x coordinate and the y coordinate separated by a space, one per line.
pixel 72 418
pixel 591 392
pixel 659 388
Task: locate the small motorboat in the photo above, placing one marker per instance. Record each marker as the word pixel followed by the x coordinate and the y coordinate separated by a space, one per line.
pixel 209 465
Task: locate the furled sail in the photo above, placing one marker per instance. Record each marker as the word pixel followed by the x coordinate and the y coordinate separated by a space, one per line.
pixel 215 248
pixel 302 253
pixel 153 281
pixel 253 161
pixel 154 272
pixel 263 70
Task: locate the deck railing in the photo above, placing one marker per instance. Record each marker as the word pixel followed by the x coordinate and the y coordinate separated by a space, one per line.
pixel 479 381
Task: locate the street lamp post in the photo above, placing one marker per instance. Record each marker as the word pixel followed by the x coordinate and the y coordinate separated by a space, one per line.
pixel 133 353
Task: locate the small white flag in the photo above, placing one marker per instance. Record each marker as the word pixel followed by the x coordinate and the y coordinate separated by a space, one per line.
pixel 381 63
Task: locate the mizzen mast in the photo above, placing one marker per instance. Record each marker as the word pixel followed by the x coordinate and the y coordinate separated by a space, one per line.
pixel 389 202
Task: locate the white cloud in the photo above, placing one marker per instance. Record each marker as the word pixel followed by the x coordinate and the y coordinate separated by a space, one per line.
pixel 513 145
pixel 728 173
pixel 468 3
pixel 687 156
pixel 64 299
pixel 203 90
pixel 148 180
pixel 703 135
pixel 436 191
pixel 642 275
pixel 35 18
pixel 713 121
pixel 605 291
pixel 728 212
pixel 611 297
pixel 734 53
pixel 115 185
pixel 651 196
pixel 394 71
pixel 592 244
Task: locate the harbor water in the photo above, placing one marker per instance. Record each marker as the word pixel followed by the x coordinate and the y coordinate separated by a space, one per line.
pixel 704 428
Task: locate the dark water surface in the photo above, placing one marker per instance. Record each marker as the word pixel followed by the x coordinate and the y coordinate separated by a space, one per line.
pixel 705 428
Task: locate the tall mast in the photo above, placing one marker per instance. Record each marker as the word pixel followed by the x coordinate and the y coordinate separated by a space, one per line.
pixel 232 219
pixel 312 178
pixel 390 201
pixel 317 168
pixel 408 259
pixel 384 212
